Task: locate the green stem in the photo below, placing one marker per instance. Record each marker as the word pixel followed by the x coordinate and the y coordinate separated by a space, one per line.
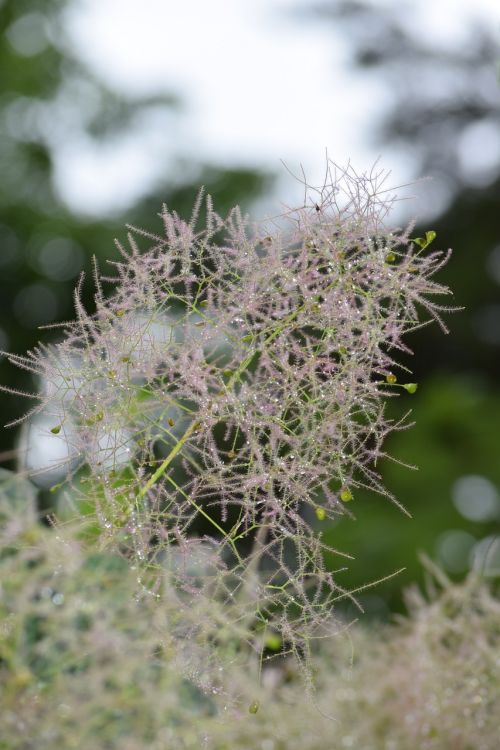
pixel 209 518
pixel 168 460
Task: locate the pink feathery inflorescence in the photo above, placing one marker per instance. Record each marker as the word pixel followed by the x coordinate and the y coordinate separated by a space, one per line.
pixel 234 381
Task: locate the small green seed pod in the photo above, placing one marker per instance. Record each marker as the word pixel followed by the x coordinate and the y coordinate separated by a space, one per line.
pixel 273 641
pixel 253 707
pixel 410 387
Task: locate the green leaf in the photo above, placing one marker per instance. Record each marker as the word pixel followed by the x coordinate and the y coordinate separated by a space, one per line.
pixel 424 242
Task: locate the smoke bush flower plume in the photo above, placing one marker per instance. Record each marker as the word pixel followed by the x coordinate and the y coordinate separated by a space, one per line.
pixel 227 397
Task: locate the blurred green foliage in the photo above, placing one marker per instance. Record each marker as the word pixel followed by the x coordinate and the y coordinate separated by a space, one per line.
pixel 456 435
pixel 86 658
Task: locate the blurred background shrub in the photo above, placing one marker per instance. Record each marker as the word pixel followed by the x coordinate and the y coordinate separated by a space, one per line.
pixel 90 658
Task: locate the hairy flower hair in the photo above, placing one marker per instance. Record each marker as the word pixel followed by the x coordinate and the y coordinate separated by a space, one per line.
pixel 229 393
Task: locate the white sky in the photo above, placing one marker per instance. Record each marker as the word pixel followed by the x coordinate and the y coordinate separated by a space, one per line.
pixel 258 86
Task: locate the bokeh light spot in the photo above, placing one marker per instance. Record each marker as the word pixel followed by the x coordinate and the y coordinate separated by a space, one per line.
pixel 60 259
pixel 453 549
pixel 476 498
pixel 485 556
pixel 27 35
pixel 35 305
